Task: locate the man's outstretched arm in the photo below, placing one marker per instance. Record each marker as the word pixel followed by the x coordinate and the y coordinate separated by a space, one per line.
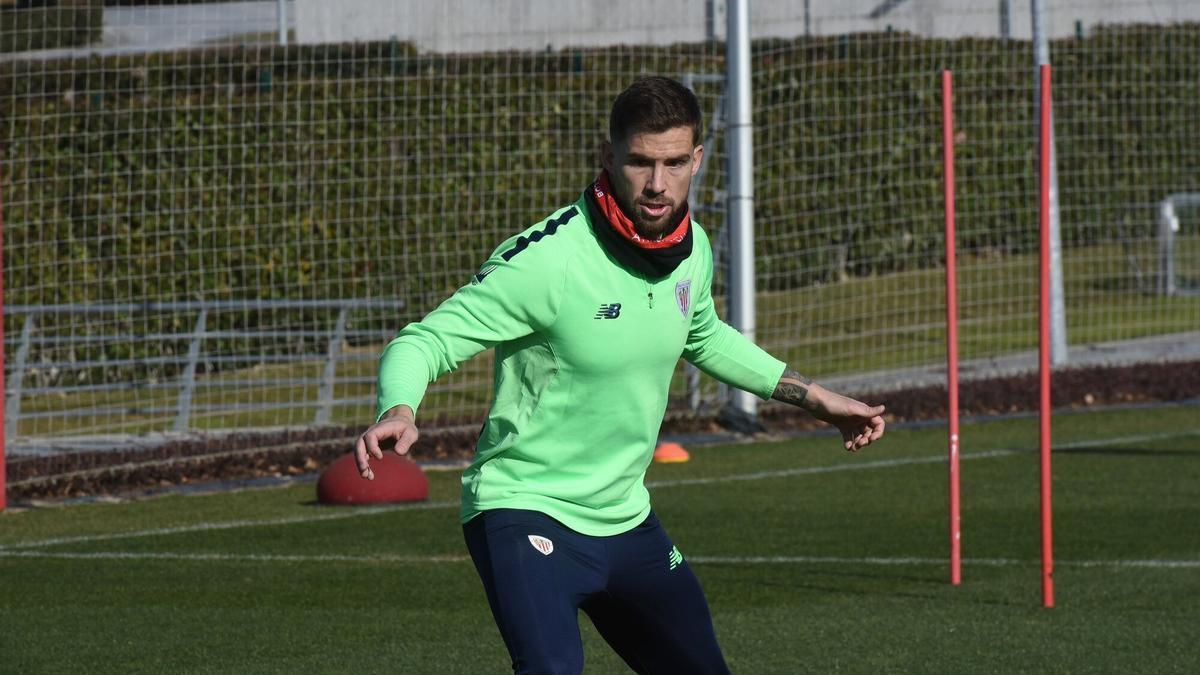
pixel 859 423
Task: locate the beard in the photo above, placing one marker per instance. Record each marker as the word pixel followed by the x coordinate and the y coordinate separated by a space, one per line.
pixel 652 229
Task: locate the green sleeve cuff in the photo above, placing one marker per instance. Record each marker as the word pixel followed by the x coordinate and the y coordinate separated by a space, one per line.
pixel 403 377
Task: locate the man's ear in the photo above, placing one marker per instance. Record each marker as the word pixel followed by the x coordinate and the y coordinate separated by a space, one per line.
pixel 697 157
pixel 606 156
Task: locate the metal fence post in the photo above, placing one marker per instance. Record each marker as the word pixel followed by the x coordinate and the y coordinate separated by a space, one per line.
pixel 716 127
pixel 188 379
pixel 741 183
pixel 325 396
pixel 1058 311
pixel 281 20
pixel 16 381
pixel 1168 223
pixel 1168 229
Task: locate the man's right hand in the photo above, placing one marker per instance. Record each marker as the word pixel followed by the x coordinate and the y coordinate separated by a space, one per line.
pixel 396 430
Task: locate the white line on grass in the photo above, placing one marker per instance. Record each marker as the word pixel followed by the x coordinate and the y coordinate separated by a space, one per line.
pixel 984 562
pixel 369 511
pixel 906 461
pixel 1121 440
pixel 232 557
pixel 833 468
pixel 700 559
pixel 758 475
pixel 234 524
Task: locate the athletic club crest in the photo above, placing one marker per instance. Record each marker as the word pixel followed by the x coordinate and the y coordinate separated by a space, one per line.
pixel 542 544
pixel 683 296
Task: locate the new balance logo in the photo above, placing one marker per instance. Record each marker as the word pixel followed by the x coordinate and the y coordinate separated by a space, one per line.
pixel 675 558
pixel 542 544
pixel 609 311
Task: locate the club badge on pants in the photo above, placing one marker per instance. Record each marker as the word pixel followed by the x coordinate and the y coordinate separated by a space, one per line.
pixel 542 544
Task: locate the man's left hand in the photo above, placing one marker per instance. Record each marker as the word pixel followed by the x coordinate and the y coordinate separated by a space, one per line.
pixel 859 423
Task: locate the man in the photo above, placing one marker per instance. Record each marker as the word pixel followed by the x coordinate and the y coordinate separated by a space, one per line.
pixel 589 311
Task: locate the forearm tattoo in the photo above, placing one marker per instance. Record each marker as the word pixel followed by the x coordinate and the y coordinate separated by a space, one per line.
pixel 792 388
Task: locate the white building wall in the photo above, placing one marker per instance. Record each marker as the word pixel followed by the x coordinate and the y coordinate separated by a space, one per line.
pixel 491 25
pixel 497 25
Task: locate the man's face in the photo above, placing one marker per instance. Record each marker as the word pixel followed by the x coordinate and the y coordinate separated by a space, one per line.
pixel 651 174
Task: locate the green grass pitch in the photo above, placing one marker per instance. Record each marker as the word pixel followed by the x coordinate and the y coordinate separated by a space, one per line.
pixel 813 560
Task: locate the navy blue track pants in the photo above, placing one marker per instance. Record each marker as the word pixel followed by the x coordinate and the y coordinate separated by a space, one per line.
pixel 635 587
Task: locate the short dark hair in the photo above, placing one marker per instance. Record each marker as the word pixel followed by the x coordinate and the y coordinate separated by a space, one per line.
pixel 654 105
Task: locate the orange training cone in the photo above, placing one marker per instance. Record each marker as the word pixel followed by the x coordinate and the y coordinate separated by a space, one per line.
pixel 667 453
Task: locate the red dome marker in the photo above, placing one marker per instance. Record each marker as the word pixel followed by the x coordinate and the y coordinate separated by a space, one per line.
pixel 397 479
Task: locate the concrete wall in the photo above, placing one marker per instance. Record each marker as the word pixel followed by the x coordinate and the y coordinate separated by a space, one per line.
pixel 958 18
pixel 489 25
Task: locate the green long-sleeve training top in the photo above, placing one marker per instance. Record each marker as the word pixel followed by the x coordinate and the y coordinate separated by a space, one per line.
pixel 585 351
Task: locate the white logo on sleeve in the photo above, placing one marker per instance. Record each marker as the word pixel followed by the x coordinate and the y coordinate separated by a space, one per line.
pixel 542 544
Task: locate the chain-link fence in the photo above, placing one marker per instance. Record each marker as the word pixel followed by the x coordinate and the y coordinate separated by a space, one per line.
pixel 216 214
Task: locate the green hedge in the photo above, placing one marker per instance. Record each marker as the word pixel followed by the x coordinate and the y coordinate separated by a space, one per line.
pixel 69 24
pixel 371 171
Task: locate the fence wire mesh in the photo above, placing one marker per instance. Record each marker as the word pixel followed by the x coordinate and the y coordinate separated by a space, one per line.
pixel 216 214
pixel 849 208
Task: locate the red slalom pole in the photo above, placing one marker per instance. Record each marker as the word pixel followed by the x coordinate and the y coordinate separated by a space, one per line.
pixel 951 324
pixel 1044 342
